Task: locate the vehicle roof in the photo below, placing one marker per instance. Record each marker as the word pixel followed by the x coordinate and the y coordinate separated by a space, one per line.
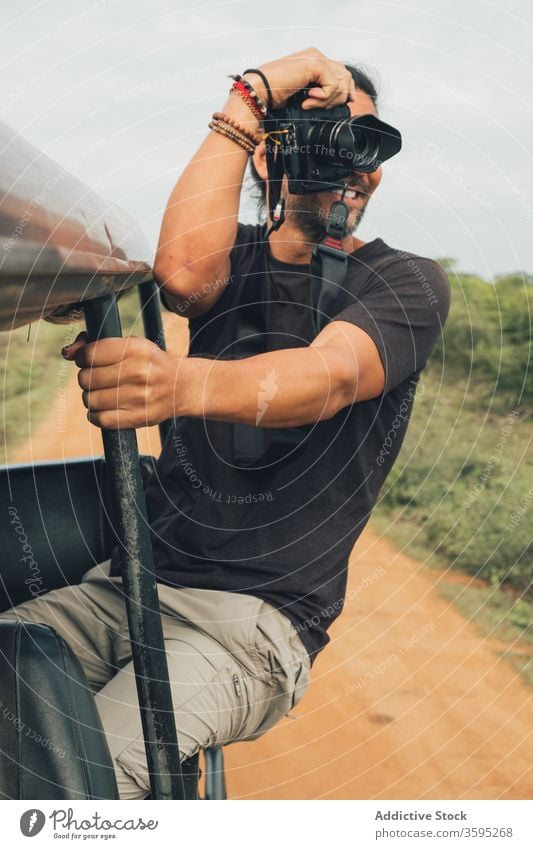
pixel 60 243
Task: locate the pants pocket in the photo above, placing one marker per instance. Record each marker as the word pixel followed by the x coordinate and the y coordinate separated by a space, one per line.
pixel 285 668
pixel 233 690
pixel 301 682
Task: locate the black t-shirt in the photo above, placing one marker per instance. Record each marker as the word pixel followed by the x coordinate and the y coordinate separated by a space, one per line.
pixel 284 532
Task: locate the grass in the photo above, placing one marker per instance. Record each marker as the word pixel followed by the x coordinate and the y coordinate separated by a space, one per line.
pixel 34 372
pixel 460 496
pixel 461 488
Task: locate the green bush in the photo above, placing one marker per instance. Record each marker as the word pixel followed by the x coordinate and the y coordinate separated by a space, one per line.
pixel 488 337
pixel 462 482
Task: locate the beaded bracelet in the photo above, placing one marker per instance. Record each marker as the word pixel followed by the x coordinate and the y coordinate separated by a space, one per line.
pixel 232 134
pixel 237 133
pixel 224 132
pixel 247 97
pixel 247 86
pixel 254 137
pixel 228 122
pixel 265 83
pixel 260 102
pixel 244 89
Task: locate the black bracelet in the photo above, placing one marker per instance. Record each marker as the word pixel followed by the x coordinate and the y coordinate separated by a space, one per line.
pixel 265 83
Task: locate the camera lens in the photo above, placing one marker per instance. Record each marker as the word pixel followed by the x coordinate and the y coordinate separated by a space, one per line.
pixel 365 147
pixel 345 143
pixel 321 147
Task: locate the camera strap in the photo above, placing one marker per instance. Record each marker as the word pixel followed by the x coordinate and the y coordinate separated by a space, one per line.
pixel 256 446
pixel 329 264
pixel 275 171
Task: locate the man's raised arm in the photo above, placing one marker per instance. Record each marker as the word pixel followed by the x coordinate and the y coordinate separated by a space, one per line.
pixel 200 221
pixel 199 226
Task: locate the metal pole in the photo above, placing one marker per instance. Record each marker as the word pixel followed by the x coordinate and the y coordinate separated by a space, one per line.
pixel 138 575
pixel 153 330
pixel 215 782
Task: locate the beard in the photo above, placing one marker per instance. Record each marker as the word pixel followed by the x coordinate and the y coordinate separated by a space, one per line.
pixel 309 214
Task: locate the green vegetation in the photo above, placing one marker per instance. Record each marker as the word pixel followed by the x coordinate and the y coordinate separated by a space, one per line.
pixel 30 378
pixel 33 372
pixel 461 493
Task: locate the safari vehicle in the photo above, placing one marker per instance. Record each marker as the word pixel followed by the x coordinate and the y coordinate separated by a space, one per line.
pixel 64 252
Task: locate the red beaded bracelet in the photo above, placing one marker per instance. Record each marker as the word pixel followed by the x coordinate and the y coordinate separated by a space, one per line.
pixel 244 94
pixel 248 94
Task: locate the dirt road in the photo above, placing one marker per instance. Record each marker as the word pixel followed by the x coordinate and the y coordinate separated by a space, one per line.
pixel 407 702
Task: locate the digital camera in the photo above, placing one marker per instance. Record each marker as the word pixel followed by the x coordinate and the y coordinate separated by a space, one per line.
pixel 320 148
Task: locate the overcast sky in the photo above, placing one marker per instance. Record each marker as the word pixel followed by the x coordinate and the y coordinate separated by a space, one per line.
pixel 121 91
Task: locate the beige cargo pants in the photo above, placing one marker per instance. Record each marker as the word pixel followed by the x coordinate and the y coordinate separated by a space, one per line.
pixel 236 664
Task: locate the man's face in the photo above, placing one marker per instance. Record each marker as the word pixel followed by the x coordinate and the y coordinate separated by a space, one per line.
pixel 308 212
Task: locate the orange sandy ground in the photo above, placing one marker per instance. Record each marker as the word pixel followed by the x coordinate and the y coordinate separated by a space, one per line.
pixel 407 702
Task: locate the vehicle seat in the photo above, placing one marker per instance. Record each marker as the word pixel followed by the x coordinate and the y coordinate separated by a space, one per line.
pixel 57 524
pixel 52 744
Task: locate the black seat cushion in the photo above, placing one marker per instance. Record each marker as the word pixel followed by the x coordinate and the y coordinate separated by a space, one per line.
pixel 52 744
pixel 57 524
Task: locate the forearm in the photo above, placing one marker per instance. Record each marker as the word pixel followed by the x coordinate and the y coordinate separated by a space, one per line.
pixel 200 221
pixel 278 389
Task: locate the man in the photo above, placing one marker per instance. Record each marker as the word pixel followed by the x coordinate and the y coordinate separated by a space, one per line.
pixel 252 557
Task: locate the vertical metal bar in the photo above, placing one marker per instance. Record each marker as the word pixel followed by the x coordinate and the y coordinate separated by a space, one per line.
pixel 153 330
pixel 138 575
pixel 191 776
pixel 215 782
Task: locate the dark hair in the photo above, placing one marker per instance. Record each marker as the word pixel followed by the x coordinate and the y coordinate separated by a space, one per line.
pixel 364 83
